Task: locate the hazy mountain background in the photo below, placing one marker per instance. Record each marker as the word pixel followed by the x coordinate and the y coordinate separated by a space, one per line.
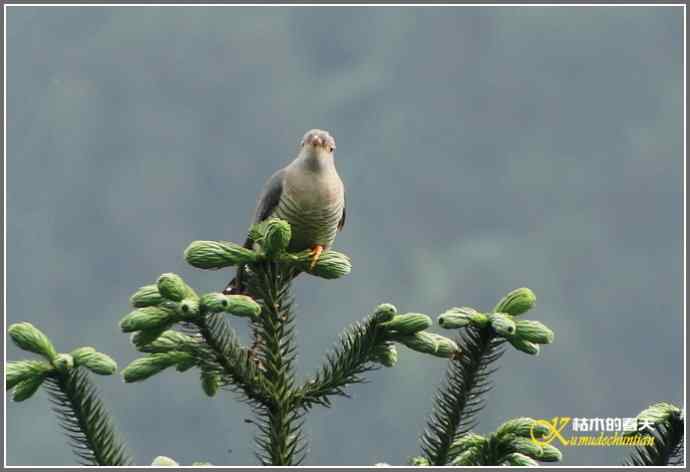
pixel 483 149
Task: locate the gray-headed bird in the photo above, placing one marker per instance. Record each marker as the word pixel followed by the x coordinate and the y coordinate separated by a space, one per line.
pixel 308 194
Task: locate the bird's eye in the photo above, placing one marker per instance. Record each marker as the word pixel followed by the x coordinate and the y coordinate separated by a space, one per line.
pixel 332 148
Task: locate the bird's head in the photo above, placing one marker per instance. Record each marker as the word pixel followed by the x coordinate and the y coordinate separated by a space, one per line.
pixel 318 143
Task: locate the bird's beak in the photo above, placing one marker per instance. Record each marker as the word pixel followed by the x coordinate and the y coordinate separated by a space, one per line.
pixel 317 142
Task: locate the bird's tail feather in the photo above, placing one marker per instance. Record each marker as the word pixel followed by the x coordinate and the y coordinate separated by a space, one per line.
pixel 236 286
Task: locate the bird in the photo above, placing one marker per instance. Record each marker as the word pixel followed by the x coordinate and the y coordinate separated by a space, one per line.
pixel 309 194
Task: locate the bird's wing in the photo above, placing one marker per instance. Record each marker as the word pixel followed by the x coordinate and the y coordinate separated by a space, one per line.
pixel 270 196
pixel 341 223
pixel 268 200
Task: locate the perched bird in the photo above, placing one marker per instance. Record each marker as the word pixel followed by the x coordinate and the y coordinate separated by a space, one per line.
pixel 308 194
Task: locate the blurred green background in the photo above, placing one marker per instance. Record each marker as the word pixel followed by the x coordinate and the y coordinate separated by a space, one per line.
pixel 483 148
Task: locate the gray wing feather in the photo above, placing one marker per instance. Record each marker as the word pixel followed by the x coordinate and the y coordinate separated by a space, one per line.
pixel 268 200
pixel 270 196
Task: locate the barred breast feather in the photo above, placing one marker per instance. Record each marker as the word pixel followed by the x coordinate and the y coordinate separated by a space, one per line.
pixel 313 207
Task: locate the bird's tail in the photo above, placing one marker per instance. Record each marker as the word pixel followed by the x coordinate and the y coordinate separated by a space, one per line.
pixel 236 286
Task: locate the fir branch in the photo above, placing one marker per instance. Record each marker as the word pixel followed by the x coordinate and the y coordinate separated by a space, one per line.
pixel 353 356
pixel 667 448
pixel 280 423
pixel 84 419
pixel 461 399
pixel 222 353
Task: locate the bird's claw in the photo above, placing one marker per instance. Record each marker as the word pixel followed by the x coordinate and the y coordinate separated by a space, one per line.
pixel 316 251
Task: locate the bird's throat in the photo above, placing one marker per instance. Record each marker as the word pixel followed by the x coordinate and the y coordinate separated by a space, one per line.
pixel 315 161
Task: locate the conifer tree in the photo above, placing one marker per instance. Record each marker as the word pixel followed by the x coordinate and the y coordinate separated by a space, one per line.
pixel 173 326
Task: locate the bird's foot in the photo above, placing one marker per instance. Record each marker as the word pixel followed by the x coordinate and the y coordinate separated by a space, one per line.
pixel 316 251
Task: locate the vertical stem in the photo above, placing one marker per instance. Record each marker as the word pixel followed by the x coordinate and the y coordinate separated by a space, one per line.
pixel 280 429
pixel 461 398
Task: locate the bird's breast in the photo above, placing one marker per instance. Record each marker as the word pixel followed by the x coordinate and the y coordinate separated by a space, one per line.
pixel 313 207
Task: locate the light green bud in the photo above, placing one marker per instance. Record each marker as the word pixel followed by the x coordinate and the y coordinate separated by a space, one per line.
pixel 386 354
pixel 213 302
pixel 172 287
pixel 453 318
pixel 242 306
pixel 210 383
pixel 550 453
pixel 466 441
pixel 169 340
pixel 430 343
pixel 80 352
pixel 237 305
pixel 384 312
pixel 521 460
pixel 524 346
pixel 147 318
pixel 27 387
pixel 63 362
pixel 163 461
pixel 145 367
pixel 96 362
pixel 18 371
pixel 660 412
pixel 332 265
pixel 31 339
pixel 502 324
pixel 461 317
pixel 147 295
pixel 524 427
pixel 147 336
pixel 516 302
pixel 277 235
pixel 257 231
pixel 467 457
pixel 409 323
pixel 419 461
pixel 539 431
pixel 533 331
pixel 188 308
pixel 524 446
pixel 217 254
